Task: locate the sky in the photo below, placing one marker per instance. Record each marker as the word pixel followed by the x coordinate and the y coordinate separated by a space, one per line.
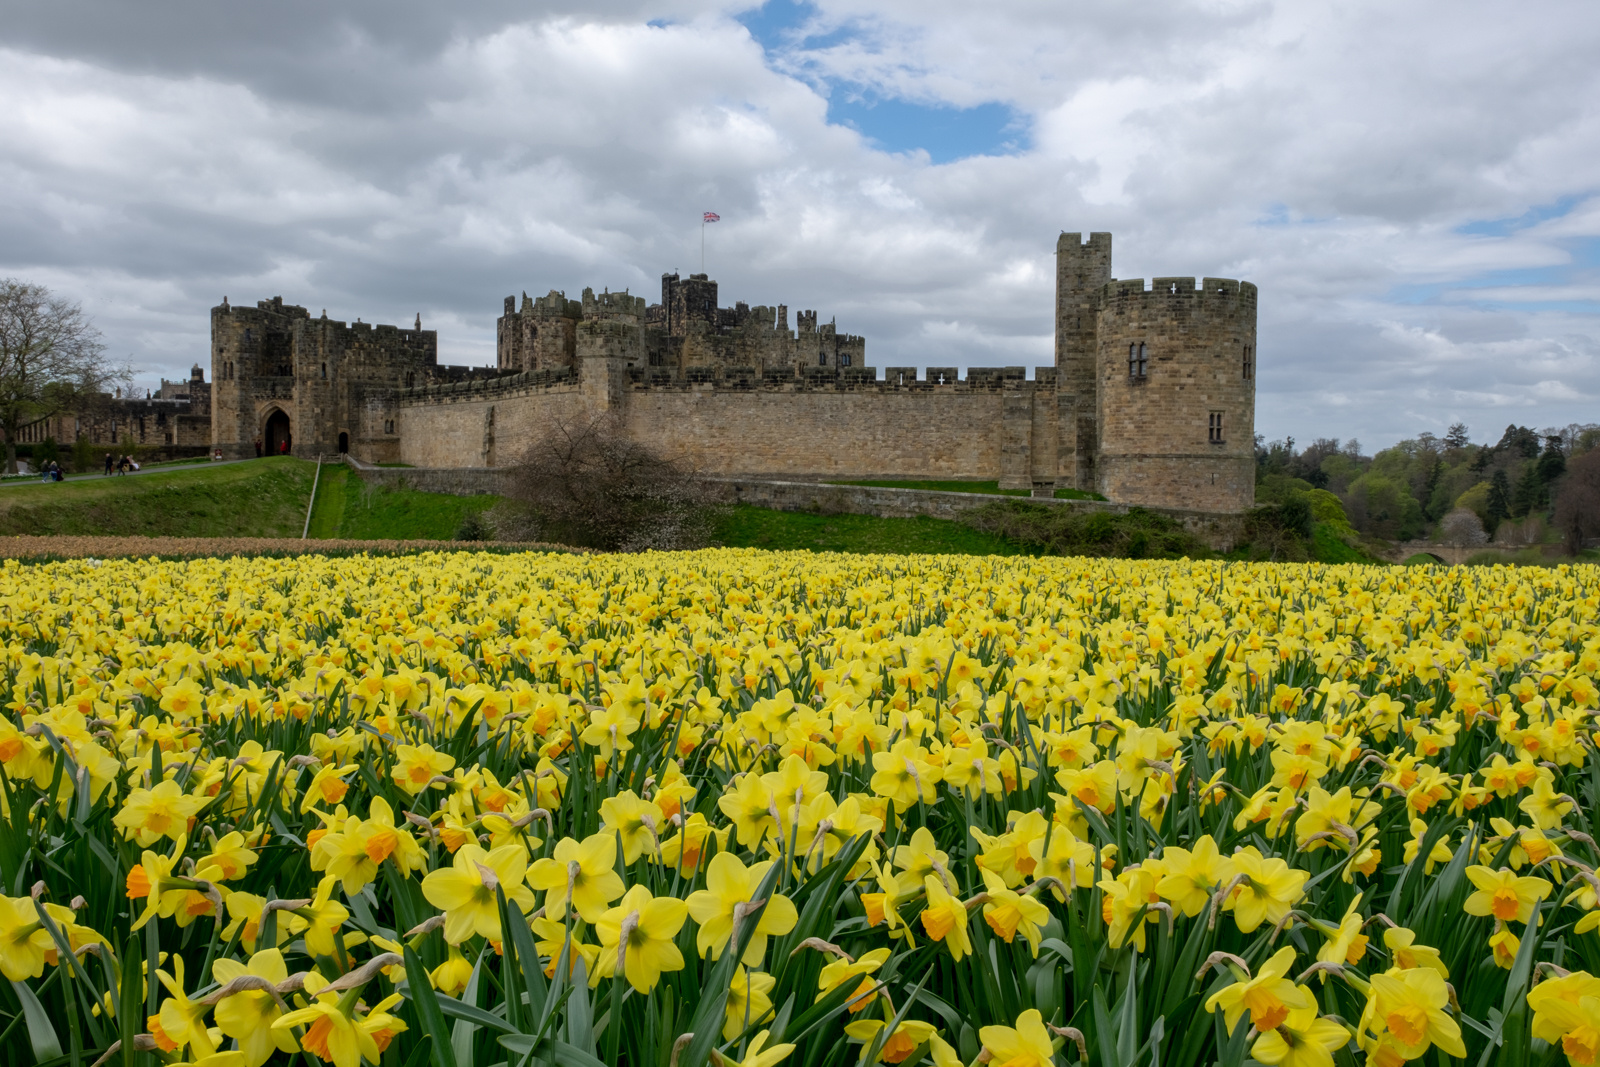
pixel 1414 187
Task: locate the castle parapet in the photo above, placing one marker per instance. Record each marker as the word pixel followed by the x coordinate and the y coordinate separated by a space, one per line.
pixel 479 386
pixel 853 379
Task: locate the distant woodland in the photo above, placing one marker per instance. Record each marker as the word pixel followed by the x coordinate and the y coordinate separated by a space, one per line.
pixel 1529 487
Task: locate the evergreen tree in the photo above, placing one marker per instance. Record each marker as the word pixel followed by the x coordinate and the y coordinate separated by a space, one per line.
pixel 1499 502
pixel 1526 496
pixel 1551 466
pixel 1435 472
pixel 1456 436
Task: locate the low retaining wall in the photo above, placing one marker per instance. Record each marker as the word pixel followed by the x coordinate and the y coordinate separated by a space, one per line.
pixel 456 481
pixel 1219 531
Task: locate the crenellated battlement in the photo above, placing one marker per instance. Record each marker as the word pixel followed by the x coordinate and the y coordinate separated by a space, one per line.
pixel 1216 292
pixel 490 387
pixel 856 379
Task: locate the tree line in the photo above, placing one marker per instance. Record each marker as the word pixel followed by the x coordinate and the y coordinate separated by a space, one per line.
pixel 1522 489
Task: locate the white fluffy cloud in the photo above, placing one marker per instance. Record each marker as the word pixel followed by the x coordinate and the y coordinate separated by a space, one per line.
pixel 1412 186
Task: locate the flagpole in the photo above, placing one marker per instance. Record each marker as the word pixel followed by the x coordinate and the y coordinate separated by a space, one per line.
pixel 702 246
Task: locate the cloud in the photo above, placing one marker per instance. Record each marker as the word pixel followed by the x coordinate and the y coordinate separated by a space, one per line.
pixel 1411 186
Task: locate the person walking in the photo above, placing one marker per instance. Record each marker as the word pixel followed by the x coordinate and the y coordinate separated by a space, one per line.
pixel 109 462
pixel 258 448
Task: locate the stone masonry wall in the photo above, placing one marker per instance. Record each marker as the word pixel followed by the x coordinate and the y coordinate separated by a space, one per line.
pixel 1159 445
pixel 483 427
pixel 992 425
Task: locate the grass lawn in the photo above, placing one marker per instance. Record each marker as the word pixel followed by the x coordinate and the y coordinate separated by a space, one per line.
pixel 259 498
pixel 749 527
pixel 349 508
pixel 262 498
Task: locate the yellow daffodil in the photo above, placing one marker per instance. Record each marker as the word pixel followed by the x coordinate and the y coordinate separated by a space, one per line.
pixel 1270 998
pixel 1504 895
pixel 582 874
pixel 465 891
pixel 636 938
pixel 717 909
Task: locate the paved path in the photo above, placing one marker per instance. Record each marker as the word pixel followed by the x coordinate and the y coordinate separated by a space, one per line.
pixel 96 475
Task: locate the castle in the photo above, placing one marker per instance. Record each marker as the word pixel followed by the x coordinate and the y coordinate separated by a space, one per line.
pixel 1151 400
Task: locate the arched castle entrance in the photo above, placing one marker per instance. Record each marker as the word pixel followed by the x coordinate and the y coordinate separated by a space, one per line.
pixel 344 442
pixel 278 439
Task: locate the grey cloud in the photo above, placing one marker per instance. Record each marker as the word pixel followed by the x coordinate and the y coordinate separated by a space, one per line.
pixel 385 159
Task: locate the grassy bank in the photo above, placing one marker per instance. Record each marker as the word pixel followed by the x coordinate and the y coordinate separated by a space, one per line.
pixel 347 507
pixel 263 498
pixel 748 527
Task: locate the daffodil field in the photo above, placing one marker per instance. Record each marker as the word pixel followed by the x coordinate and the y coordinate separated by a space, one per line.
pixel 752 809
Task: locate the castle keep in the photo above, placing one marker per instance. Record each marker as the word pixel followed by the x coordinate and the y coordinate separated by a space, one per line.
pixel 687 329
pixel 1151 400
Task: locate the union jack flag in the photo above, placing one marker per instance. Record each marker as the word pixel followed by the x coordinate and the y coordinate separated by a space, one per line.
pixel 711 216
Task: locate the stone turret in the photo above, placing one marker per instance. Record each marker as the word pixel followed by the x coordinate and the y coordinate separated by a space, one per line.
pixel 1156 386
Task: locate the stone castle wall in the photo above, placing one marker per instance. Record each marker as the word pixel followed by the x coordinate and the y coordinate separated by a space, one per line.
pixel 993 425
pixel 484 424
pixel 735 392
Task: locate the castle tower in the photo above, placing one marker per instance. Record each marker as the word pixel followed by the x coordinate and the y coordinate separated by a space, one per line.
pixel 1176 390
pixel 1082 271
pixel 1155 389
pixel 302 386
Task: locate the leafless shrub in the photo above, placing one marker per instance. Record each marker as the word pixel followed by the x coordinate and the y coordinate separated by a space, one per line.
pixel 586 482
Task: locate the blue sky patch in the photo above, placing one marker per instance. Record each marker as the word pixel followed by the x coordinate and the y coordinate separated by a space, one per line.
pixel 1532 217
pixel 1579 272
pixel 890 124
pixel 945 133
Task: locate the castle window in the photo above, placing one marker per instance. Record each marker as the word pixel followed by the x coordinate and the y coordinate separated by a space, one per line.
pixel 411 378
pixel 822 359
pixel 1249 363
pixel 1138 361
pixel 844 361
pixel 324 370
pixel 1214 428
pixel 388 426
pixel 247 337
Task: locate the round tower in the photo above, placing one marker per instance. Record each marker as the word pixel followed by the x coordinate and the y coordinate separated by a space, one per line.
pixel 1176 393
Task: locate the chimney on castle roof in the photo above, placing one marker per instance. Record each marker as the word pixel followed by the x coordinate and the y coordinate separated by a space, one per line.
pixel 224 303
pixel 419 320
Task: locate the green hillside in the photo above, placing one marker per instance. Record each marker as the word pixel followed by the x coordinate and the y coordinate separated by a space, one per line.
pixel 260 498
pixel 263 498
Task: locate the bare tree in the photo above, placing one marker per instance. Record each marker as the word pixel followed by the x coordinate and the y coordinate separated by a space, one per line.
pixel 586 482
pixel 51 359
pixel 1577 512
